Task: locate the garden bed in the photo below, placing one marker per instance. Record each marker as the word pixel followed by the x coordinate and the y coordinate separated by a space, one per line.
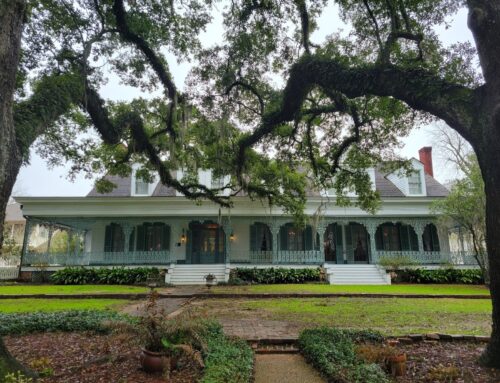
pixel 88 358
pixel 446 362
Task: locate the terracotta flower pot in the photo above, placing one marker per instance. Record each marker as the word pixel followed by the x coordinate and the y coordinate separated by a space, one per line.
pixel 397 365
pixel 153 361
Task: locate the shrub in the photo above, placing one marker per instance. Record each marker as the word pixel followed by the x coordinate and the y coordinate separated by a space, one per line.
pixel 396 262
pixel 113 276
pixel 333 353
pixel 448 275
pixel 226 360
pixel 274 275
pixel 75 320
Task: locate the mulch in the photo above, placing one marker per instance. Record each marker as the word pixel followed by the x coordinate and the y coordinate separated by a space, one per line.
pixel 90 358
pixel 457 362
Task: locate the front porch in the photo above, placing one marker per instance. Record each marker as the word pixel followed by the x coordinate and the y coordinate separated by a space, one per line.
pixel 163 241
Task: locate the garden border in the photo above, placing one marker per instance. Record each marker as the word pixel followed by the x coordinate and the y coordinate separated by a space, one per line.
pixel 135 296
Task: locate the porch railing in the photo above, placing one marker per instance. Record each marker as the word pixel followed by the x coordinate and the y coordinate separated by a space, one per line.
pixel 280 257
pixel 98 258
pixel 429 257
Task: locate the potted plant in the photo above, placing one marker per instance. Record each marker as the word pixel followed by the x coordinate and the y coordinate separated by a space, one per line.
pixel 210 280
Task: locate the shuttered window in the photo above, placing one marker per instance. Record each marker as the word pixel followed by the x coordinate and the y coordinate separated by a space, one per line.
pixel 430 238
pixel 260 237
pixel 114 239
pixel 297 239
pixel 396 237
pixel 153 236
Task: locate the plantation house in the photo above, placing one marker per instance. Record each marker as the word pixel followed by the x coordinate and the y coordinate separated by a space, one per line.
pixel 140 224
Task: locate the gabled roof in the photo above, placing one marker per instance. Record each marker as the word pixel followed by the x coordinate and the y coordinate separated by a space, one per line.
pixel 386 188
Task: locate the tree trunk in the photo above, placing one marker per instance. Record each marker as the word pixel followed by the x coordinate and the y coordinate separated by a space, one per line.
pixel 491 173
pixel 11 27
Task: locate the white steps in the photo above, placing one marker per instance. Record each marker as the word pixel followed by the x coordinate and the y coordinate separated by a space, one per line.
pixel 195 274
pixel 356 275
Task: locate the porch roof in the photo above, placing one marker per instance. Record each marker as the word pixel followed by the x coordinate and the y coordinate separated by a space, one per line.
pixel 183 207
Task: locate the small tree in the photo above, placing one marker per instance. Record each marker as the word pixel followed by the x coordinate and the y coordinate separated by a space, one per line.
pixel 465 206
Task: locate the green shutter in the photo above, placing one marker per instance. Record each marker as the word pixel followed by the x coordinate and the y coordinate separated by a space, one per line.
pixel 435 238
pixel 379 242
pixel 308 238
pixel 253 237
pixel 338 237
pixel 108 238
pixel 141 238
pixel 413 239
pixel 131 242
pixel 403 237
pixel 166 237
pixel 284 237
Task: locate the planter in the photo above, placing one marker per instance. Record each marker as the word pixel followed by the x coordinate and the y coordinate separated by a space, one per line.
pixel 153 361
pixel 397 364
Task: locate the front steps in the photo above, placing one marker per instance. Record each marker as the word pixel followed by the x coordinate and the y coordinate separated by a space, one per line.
pixel 195 274
pixel 356 275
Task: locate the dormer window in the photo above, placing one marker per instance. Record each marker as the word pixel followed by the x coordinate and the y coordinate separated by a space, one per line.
pixel 141 187
pixel 415 183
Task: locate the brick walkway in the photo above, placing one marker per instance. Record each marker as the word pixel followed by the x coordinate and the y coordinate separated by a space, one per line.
pixel 252 329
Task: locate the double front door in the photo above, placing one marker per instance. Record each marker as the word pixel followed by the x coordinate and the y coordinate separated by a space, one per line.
pixel 206 243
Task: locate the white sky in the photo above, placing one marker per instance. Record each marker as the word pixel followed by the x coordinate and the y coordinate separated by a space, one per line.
pixel 37 180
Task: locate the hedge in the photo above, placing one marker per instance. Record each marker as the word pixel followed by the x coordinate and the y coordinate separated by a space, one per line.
pixel 226 360
pixel 332 352
pixel 449 275
pixel 274 275
pixel 73 320
pixel 113 276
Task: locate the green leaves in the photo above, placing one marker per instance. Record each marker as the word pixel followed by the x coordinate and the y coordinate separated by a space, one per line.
pixel 275 275
pixel 113 276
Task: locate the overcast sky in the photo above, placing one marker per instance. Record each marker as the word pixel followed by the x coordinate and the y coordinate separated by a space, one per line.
pixel 37 180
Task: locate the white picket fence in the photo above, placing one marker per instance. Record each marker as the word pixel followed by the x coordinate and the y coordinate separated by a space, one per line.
pixel 9 269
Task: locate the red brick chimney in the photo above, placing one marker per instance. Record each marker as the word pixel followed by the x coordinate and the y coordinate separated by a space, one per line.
pixel 426 158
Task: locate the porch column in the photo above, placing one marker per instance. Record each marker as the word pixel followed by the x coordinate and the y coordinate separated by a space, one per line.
pixel 344 244
pixel 320 231
pixel 419 227
pixel 275 231
pixel 227 233
pixel 127 230
pixel 49 241
pixel 371 227
pixel 26 238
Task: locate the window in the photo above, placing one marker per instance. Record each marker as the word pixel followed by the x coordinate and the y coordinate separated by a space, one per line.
pixel 297 239
pixel 396 237
pixel 114 239
pixel 415 183
pixel 430 238
pixel 141 187
pixel 260 237
pixel 153 237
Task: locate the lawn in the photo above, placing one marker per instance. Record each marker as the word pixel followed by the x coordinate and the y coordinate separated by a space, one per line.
pixel 24 305
pixel 391 316
pixel 19 289
pixel 366 289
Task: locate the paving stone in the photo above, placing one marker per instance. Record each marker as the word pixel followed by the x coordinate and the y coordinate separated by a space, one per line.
pixel 405 340
pixel 432 336
pixel 416 337
pixel 284 368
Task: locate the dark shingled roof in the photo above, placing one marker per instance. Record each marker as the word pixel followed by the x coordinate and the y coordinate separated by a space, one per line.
pixel 386 188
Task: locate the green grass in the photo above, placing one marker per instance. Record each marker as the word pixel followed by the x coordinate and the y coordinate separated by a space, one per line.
pixel 368 289
pixel 391 316
pixel 25 305
pixel 19 289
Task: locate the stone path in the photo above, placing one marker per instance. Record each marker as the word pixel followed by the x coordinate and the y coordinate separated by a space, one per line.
pixel 284 368
pixel 252 329
pixel 169 306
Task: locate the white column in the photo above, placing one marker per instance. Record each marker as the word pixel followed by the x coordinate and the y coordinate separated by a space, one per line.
pixel 344 245
pixel 227 232
pixel 275 231
pixel 371 227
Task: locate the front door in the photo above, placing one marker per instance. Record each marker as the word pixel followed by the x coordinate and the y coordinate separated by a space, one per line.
pixel 206 243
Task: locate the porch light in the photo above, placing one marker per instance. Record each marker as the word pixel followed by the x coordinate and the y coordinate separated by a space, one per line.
pixel 231 236
pixel 183 237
